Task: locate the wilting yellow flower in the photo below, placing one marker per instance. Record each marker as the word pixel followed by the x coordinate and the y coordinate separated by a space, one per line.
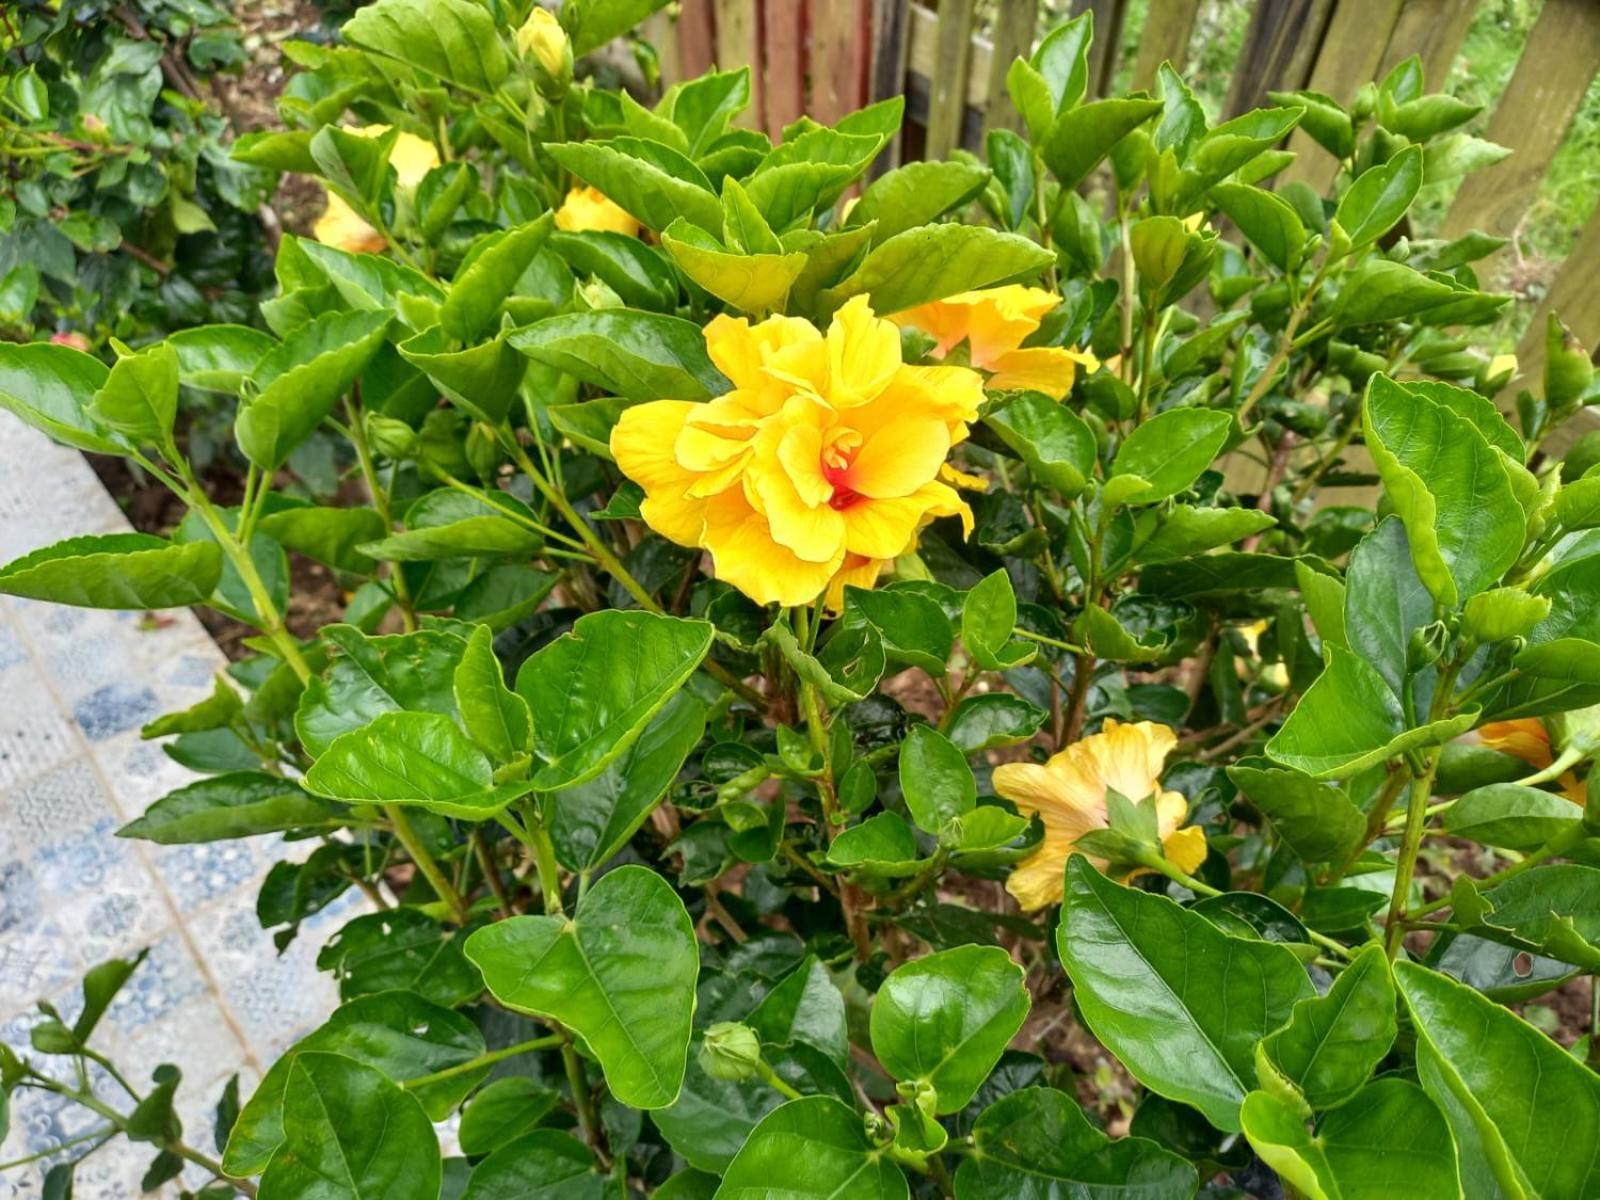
pixel 587 208
pixel 1069 795
pixel 340 226
pixel 823 459
pixel 994 323
pixel 1527 738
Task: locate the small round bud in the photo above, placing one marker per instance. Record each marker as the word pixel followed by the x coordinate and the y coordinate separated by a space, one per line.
pixel 730 1051
pixel 389 437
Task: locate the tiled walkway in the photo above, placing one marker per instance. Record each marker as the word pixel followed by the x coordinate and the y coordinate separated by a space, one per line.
pixel 75 686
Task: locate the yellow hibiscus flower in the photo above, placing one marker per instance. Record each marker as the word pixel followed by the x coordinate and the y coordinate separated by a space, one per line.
pixel 1527 738
pixel 994 323
pixel 340 226
pixel 587 208
pixel 1069 795
pixel 820 464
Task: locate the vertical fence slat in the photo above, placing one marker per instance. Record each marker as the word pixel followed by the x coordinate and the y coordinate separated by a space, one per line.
pixel 1576 300
pixel 1350 56
pixel 738 40
pixel 840 33
pixel 1166 35
pixel 1279 47
pixel 1433 30
pixel 697 47
pixel 1108 17
pixel 891 48
pixel 661 31
pixel 783 64
pixel 1554 72
pixel 947 101
pixel 1014 23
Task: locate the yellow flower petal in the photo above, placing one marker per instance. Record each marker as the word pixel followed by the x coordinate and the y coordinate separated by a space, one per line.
pixel 589 209
pixel 641 442
pixel 1047 369
pixel 341 228
pixel 899 458
pixel 1523 738
pixel 746 556
pixel 992 321
pixel 863 354
pixel 1185 848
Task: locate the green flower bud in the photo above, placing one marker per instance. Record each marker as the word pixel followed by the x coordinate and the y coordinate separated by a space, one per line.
pixel 1427 646
pixel 730 1051
pixel 390 438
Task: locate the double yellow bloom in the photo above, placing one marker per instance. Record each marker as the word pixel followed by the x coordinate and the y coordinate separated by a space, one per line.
pixel 821 463
pixel 994 323
pixel 1069 795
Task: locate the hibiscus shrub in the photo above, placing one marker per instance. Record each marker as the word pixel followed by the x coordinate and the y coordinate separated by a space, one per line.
pixel 853 668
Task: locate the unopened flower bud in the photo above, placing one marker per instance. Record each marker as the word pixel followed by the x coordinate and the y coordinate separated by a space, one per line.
pixel 542 40
pixel 730 1051
pixel 389 437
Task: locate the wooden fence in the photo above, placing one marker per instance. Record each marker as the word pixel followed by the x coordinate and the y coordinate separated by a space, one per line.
pixel 827 57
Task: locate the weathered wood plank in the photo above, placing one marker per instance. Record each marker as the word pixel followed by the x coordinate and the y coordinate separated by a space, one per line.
pixel 783 64
pixel 738 41
pixel 1279 47
pixel 661 31
pixel 1554 72
pixel 1014 23
pixel 1576 300
pixel 923 49
pixel 1350 56
pixel 841 32
pixel 891 48
pixel 1108 19
pixel 697 44
pixel 1433 30
pixel 952 59
pixel 1166 35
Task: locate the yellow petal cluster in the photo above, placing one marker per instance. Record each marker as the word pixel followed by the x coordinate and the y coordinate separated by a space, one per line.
pixel 588 208
pixel 542 37
pixel 994 322
pixel 340 227
pixel 1527 738
pixel 820 464
pixel 1069 795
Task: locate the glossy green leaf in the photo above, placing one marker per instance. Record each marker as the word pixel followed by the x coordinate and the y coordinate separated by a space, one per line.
pixel 1180 1003
pixel 1518 1103
pixel 944 1020
pixel 638 273
pixel 139 398
pixel 488 276
pixel 239 804
pixel 811 1149
pixel 350 1134
pixel 1391 1140
pixel 916 194
pixel 302 380
pixel 620 972
pixel 1081 137
pixel 592 821
pixel 988 617
pixel 452 39
pixel 1379 197
pixel 1511 817
pixel 1553 912
pixel 116 570
pixel 1037 1143
pixel 329 535
pixel 1318 821
pixel 1385 601
pixel 1266 219
pixel 804 1006
pixel 400 949
pixel 640 355
pixel 934 777
pixel 503 1111
pixel 50 387
pixel 1462 517
pixel 914 629
pixel 546 1164
pixel 1349 720
pixel 1057 445
pixel 593 690
pixel 1332 1043
pixel 752 283
pixel 412 758
pixel 1187 530
pixel 935 261
pixel 884 843
pixel 494 716
pixel 481 380
pixel 1171 449
pixel 653 183
pixel 373 675
pixel 997 719
pixel 396 1033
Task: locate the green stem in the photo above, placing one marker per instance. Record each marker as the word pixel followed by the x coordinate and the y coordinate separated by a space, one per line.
pixel 548 1042
pixel 1048 641
pixel 581 1099
pixel 1548 850
pixel 1410 844
pixel 406 834
pixel 1569 758
pixel 775 1081
pixel 380 501
pixel 105 1131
